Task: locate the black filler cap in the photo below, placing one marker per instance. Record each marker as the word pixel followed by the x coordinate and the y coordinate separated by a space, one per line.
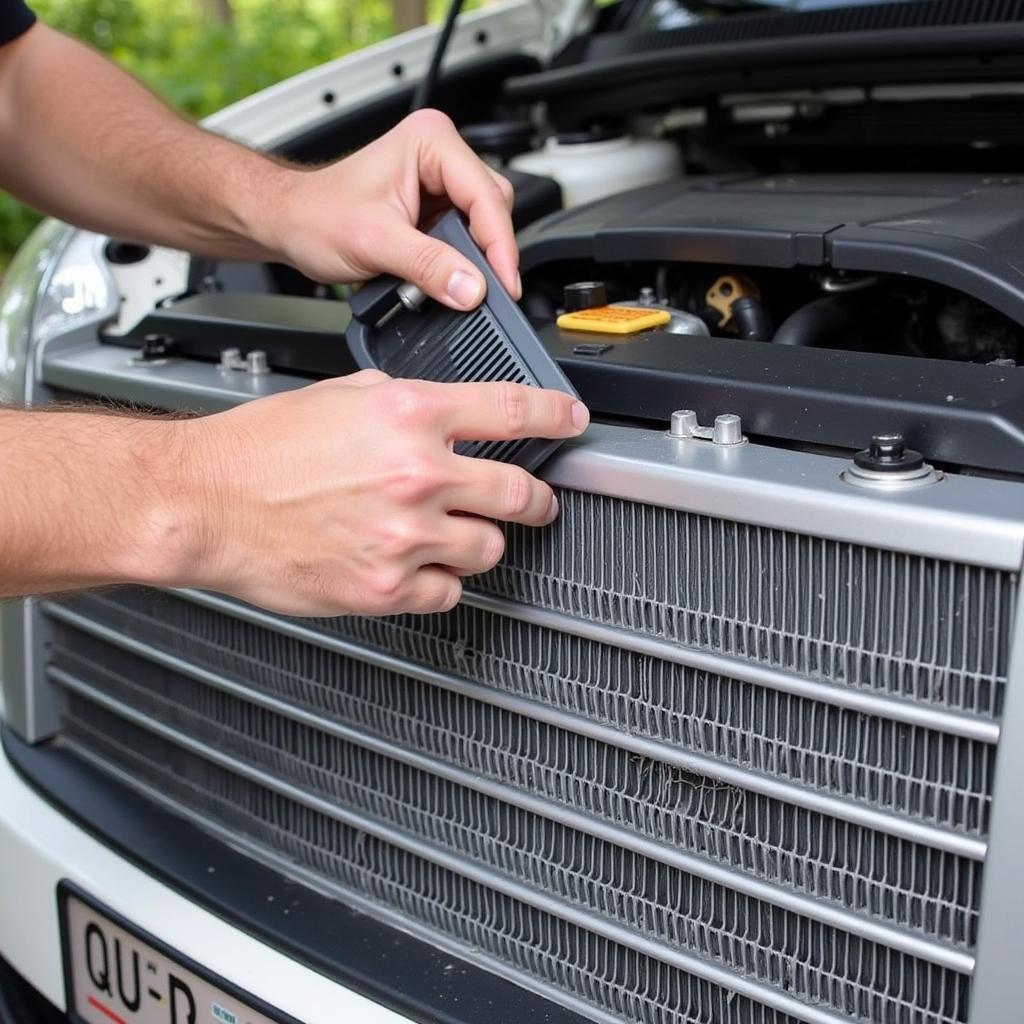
pixel 584 295
pixel 888 453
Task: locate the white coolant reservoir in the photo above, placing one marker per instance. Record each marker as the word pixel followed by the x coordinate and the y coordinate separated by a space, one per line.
pixel 589 167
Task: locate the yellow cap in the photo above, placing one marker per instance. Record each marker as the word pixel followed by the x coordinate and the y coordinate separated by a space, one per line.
pixel 614 319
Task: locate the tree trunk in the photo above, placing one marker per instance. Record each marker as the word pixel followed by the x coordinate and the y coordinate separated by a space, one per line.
pixel 407 14
pixel 221 10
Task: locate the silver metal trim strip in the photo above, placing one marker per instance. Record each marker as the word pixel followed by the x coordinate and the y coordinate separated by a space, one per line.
pixel 869 703
pixel 814 908
pixel 107 371
pixel 546 904
pixel 928 835
pixel 965 519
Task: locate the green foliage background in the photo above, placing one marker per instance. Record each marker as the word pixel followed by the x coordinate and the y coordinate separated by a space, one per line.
pixel 179 49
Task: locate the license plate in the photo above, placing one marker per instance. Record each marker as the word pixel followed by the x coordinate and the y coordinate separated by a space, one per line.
pixel 115 973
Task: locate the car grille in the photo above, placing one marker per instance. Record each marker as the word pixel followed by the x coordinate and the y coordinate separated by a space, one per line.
pixel 661 767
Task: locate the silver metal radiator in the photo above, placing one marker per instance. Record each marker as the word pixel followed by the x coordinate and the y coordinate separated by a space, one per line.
pixel 719 746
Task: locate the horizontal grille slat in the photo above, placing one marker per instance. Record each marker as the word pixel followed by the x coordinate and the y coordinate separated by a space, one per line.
pixel 905 625
pixel 815 907
pixel 672 767
pixel 631 986
pixel 922 889
pixel 684 913
pixel 939 779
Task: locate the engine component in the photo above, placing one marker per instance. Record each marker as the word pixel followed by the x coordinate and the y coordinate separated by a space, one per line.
pixel 751 319
pixel 728 290
pixel 681 322
pixel 591 166
pixel 840 319
pixel 586 309
pixel 584 295
pixel 614 319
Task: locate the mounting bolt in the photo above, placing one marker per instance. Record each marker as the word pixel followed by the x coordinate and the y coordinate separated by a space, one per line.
pixel 683 423
pixel 888 453
pixel 728 429
pixel 230 358
pixel 256 362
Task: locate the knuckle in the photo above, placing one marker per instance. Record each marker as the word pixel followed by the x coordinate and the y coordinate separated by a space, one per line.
pixel 494 548
pixel 512 401
pixel 403 535
pixel 450 597
pixel 427 261
pixel 362 239
pixel 518 491
pixel 502 191
pixel 415 478
pixel 368 376
pixel 428 121
pixel 385 590
pixel 406 402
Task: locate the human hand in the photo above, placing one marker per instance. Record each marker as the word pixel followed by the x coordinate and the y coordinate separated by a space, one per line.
pixel 345 497
pixel 362 215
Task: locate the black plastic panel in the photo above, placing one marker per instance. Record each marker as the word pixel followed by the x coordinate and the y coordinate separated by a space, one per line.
pixel 300 335
pixel 682 73
pixel 964 231
pixel 776 24
pixel 956 413
pixel 383 963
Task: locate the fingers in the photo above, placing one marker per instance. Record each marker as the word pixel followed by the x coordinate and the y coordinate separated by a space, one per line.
pixel 448 166
pixel 506 187
pixel 498 491
pixel 501 411
pixel 437 268
pixel 468 545
pixel 433 589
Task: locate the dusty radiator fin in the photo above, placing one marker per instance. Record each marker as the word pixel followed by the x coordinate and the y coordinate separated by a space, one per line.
pixel 909 770
pixel 817 963
pixel 905 625
pixel 808 959
pixel 927 890
pixel 608 976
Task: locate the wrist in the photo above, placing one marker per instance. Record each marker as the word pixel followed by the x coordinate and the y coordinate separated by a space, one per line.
pixel 261 206
pixel 175 525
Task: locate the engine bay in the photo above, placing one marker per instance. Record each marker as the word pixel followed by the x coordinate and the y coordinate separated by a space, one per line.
pixel 835 259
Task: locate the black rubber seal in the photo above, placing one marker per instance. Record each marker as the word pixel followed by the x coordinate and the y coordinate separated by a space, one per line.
pixel 401 972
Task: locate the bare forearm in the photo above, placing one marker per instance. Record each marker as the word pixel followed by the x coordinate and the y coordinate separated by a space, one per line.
pixel 89 499
pixel 81 139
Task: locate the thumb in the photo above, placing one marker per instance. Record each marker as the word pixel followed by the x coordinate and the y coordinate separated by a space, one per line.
pixel 437 268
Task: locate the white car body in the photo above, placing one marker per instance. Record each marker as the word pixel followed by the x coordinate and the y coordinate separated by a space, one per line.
pixel 39 846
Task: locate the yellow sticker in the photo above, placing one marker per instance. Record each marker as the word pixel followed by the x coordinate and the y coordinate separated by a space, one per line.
pixel 614 319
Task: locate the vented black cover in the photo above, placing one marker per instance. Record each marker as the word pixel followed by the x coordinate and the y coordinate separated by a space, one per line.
pixel 493 342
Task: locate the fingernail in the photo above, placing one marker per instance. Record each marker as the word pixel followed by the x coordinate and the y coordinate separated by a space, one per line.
pixel 553 510
pixel 519 285
pixel 580 416
pixel 464 289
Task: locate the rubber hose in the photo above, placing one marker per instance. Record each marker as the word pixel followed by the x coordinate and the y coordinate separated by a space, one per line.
pixel 827 319
pixel 751 319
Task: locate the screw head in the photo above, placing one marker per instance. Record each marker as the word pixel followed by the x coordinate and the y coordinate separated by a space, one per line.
pixel 889 453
